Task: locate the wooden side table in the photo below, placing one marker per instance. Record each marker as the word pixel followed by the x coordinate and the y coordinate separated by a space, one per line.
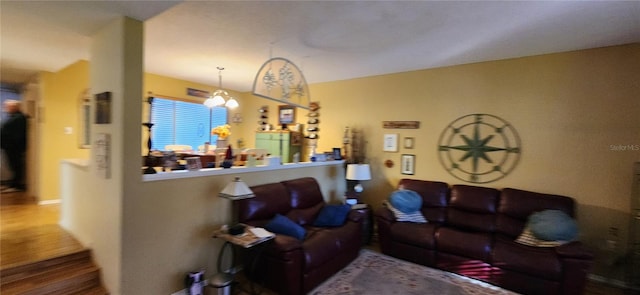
pixel 247 241
pixel 367 223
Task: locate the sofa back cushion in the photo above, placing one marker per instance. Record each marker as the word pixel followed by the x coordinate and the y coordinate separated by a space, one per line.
pixel 517 205
pixel 473 208
pixel 435 197
pixel 306 200
pixel 271 199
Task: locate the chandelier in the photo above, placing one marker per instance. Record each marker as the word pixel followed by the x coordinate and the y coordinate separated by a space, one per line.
pixel 220 97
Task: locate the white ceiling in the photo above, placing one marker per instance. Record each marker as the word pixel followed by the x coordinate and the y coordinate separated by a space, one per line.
pixel 328 40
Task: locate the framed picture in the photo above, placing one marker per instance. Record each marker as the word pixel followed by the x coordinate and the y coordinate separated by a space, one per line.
pixel 408 142
pixel 337 154
pixel 286 114
pixel 103 108
pixel 390 143
pixel 408 164
pixel 193 163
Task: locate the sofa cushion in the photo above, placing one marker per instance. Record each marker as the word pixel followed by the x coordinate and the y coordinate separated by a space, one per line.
pixel 406 200
pixel 305 198
pixel 474 245
pixel 320 247
pixel 416 234
pixel 538 262
pixel 435 197
pixel 283 225
pixel 553 225
pixel 415 217
pixel 473 208
pixel 270 199
pixel 517 205
pixel 529 239
pixel 332 215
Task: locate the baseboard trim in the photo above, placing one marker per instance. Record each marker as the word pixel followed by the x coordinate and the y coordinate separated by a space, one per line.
pixel 608 281
pixel 49 202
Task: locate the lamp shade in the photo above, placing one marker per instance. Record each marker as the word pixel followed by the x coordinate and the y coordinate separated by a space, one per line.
pixel 358 172
pixel 236 190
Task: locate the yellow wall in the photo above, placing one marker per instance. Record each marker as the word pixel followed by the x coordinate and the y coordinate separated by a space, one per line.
pixel 568 109
pixel 58 109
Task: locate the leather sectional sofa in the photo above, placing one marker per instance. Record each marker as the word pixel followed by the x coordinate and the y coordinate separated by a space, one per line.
pixel 471 231
pixel 288 265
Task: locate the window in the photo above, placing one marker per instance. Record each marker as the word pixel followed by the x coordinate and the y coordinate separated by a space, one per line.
pixel 179 122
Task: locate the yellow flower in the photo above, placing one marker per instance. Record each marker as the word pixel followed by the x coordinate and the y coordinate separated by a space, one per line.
pixel 222 131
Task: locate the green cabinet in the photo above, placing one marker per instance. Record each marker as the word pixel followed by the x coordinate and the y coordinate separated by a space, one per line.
pixel 280 143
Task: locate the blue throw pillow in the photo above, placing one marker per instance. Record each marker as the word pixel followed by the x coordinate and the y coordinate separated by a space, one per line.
pixel 332 215
pixel 553 225
pixel 285 226
pixel 406 201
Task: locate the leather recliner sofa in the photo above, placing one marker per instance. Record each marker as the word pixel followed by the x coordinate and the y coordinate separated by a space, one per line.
pixel 471 231
pixel 288 265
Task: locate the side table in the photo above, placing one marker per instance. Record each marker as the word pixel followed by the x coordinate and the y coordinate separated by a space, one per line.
pixel 246 241
pixel 367 223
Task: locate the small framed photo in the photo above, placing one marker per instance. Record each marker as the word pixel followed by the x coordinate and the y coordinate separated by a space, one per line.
pixel 103 108
pixel 390 143
pixel 193 163
pixel 408 164
pixel 408 142
pixel 337 154
pixel 286 114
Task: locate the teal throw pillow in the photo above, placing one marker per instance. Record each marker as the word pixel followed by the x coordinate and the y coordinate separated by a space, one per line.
pixel 406 201
pixel 332 215
pixel 285 226
pixel 553 225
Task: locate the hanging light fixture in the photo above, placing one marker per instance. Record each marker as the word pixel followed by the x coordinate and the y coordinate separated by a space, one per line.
pixel 219 97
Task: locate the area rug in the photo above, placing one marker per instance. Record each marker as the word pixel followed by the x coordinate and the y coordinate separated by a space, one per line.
pixel 373 273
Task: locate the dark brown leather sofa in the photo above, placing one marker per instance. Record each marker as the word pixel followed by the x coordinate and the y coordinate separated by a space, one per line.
pixel 472 232
pixel 288 265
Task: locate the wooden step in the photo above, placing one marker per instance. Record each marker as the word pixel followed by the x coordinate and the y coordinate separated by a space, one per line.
pixel 74 273
pixel 29 270
pixel 17 198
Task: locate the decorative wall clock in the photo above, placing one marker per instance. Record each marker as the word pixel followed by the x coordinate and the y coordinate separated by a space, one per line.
pixel 479 148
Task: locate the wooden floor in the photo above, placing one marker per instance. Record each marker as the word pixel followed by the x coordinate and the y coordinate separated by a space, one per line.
pixel 30 232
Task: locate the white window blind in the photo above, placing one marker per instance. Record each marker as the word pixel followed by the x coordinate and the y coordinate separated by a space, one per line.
pixel 179 122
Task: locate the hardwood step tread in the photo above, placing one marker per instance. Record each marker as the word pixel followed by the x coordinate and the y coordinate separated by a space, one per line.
pixel 56 282
pixel 51 271
pixel 9 270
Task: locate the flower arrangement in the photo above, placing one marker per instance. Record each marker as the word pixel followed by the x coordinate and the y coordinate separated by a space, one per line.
pixel 222 131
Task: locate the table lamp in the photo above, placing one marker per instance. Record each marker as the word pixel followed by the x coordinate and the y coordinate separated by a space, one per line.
pixel 358 172
pixel 236 190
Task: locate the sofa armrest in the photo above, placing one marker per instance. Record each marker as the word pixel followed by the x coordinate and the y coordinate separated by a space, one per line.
pixel 283 243
pixel 384 214
pixel 574 250
pixel 355 216
pixel 576 263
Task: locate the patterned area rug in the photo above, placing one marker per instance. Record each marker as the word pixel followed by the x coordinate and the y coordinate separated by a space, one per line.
pixel 374 273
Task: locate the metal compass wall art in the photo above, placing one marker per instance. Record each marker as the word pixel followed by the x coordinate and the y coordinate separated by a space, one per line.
pixel 479 148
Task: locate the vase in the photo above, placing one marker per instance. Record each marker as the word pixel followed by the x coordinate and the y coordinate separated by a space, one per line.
pixel 227 164
pixel 222 143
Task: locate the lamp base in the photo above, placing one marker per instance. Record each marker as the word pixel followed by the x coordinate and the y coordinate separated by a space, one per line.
pixel 358 188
